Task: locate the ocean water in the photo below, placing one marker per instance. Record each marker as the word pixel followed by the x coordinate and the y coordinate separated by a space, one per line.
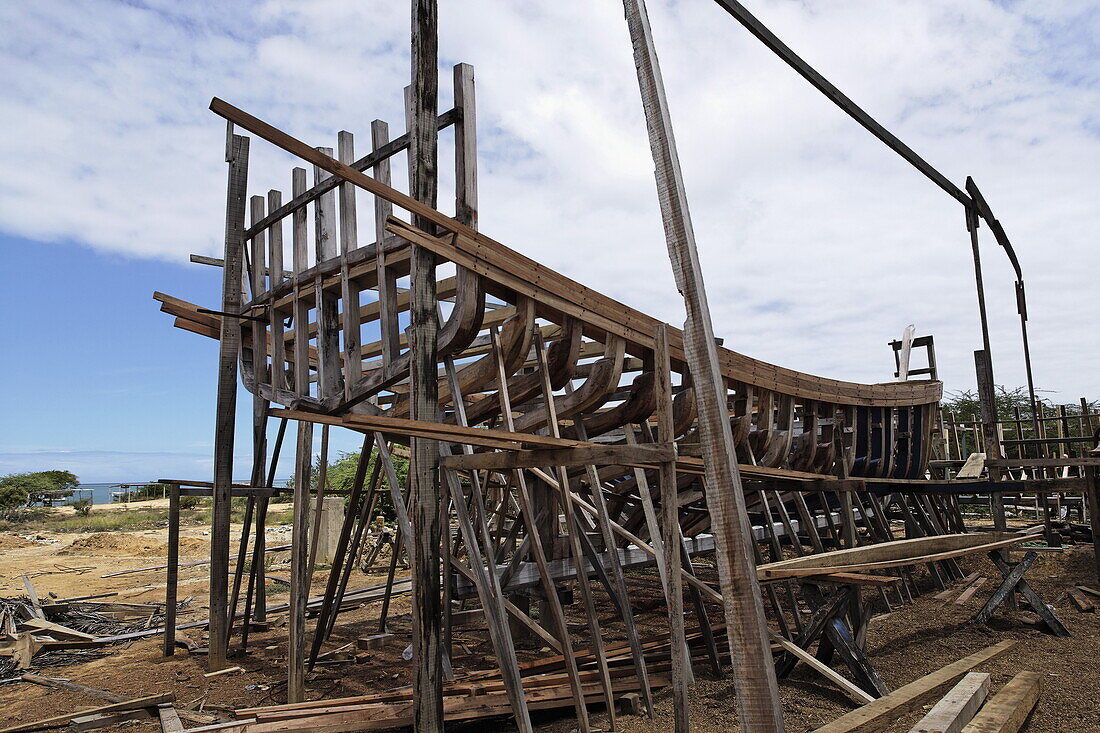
pixel 101 493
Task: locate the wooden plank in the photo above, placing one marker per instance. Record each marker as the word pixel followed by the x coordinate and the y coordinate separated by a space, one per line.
pixel 53 629
pixel 973 467
pixel 329 379
pixel 674 588
pixel 387 283
pixel 1009 709
pixel 169 719
pixel 1083 604
pixel 893 554
pixel 957 707
pixel 73 687
pixel 527 512
pixel 967 594
pixel 759 708
pixel 853 692
pixel 573 529
pixel 36 605
pixel 598 454
pixel 880 714
pixel 225 415
pixel 132 704
pixel 349 291
pixel 104 720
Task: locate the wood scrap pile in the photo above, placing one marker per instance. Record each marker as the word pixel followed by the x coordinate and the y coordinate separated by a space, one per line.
pixel 482 694
pixel 60 632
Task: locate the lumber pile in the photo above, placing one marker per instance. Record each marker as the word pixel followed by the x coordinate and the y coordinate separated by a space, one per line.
pixel 29 626
pixel 480 695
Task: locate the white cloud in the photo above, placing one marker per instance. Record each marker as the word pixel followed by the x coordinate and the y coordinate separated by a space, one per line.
pixel 819 245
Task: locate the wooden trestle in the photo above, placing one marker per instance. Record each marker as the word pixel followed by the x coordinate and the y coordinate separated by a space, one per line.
pixel 566 428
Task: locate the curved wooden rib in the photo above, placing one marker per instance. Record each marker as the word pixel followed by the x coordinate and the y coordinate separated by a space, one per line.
pixel 603 379
pixel 456 334
pixel 516 335
pixel 561 359
pixel 638 406
pixel 683 412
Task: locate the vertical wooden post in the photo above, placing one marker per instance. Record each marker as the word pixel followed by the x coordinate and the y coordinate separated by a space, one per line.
pixel 988 405
pixel 759 707
pixel 387 283
pixel 237 157
pixel 426 514
pixel 299 563
pixel 172 580
pixel 1092 490
pixel 670 506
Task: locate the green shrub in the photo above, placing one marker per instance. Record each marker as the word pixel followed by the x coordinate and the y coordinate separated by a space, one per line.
pixel 189 502
pixel 82 507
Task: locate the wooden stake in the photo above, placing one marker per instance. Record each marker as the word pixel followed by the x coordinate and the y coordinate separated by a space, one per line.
pixel 759 708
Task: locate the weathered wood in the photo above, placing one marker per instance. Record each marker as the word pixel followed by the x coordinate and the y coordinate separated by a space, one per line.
pixel 759 708
pixel 349 291
pixel 674 590
pixel 573 528
pixel 553 601
pixel 169 719
pixel 600 454
pixel 426 501
pixel 73 687
pixel 513 270
pixel 131 704
pixel 1014 578
pixel 225 417
pixel 172 581
pixel 299 565
pixel 957 707
pixel 1010 707
pixel 892 554
pixel 842 683
pixel 1092 494
pixel 880 714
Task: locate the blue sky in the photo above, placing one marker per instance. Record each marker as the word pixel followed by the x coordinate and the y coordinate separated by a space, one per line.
pixel 818 244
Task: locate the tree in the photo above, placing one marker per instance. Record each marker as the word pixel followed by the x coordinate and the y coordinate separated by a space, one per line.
pixel 17 489
pixel 340 477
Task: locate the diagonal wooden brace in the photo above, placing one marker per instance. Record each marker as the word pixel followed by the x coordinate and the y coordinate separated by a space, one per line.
pixel 1013 581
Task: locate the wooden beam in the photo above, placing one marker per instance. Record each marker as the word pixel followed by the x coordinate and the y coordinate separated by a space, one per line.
pixel 136 703
pixel 426 511
pixel 842 683
pixel 819 82
pixel 880 714
pixel 1008 710
pixel 957 707
pixel 759 707
pixel 225 415
pixel 598 454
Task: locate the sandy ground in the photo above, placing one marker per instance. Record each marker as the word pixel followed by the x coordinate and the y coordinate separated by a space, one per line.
pixel 903 645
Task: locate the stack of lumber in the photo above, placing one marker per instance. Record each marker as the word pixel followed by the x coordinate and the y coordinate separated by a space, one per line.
pixel 473 696
pixel 961 708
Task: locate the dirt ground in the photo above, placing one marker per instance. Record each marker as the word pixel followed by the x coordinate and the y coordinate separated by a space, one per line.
pixel 911 641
